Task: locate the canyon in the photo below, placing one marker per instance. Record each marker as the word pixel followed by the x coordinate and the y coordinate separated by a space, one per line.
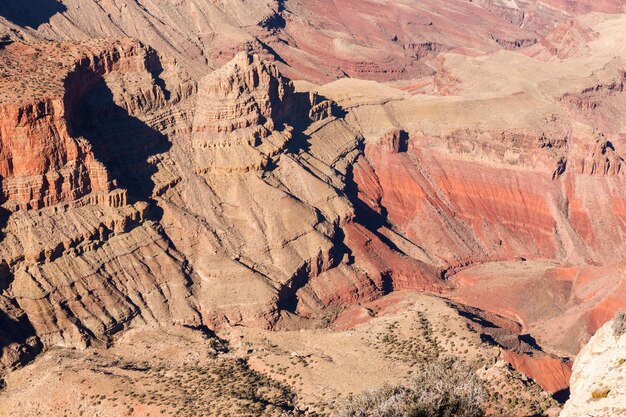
pixel 311 197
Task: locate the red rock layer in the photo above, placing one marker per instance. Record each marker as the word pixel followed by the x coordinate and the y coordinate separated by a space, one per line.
pixel 568 305
pixel 41 163
pixel 551 373
pixel 428 198
pixel 463 211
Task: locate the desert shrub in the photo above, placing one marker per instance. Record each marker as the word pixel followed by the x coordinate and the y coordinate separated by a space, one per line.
pixel 600 393
pixel 443 388
pixel 619 324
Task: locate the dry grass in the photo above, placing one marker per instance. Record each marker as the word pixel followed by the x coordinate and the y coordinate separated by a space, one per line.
pixel 445 387
pixel 600 393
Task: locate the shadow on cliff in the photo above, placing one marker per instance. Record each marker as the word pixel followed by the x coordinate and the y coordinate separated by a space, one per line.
pixel 366 216
pixel 4 216
pixel 21 332
pixel 122 142
pixel 31 13
pixel 297 114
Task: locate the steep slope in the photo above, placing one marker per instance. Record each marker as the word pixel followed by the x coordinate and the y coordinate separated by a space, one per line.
pixel 504 172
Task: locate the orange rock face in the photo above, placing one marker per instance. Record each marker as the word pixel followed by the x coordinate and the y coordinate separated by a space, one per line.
pixel 551 373
pixel 419 189
pixel 42 162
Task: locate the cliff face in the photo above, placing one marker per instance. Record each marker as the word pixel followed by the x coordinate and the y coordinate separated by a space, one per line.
pixel 509 194
pixel 240 114
pixel 46 159
pixel 78 261
pixel 42 165
pixel 597 384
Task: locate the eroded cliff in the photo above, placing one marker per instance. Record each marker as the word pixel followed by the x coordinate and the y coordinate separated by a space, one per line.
pixel 134 195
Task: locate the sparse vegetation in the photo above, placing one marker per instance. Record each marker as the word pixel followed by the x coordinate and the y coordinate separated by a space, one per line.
pixel 619 324
pixel 445 387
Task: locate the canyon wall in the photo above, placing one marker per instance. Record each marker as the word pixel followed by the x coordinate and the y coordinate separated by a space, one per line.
pixel 318 40
pixel 138 189
pixel 79 260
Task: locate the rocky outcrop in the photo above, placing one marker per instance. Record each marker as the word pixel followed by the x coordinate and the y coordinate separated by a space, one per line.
pixel 79 263
pixel 597 384
pixel 600 102
pixel 395 141
pixel 46 157
pixel 42 164
pixel 602 160
pixel 240 114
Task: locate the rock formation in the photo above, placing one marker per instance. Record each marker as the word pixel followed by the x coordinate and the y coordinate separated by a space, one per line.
pixel 79 260
pixel 597 385
pixel 139 186
pixel 318 40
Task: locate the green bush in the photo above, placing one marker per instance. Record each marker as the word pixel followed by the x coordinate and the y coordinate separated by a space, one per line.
pixel 444 388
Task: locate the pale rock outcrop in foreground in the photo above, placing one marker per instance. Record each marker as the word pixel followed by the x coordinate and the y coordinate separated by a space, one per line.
pixel 598 384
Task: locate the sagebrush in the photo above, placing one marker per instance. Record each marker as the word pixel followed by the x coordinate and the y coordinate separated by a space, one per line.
pixel 444 388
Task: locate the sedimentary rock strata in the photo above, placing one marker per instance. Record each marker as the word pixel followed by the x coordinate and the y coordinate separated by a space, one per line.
pixel 143 187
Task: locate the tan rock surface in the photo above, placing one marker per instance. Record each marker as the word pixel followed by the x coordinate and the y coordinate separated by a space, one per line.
pixel 142 188
pixel 319 40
